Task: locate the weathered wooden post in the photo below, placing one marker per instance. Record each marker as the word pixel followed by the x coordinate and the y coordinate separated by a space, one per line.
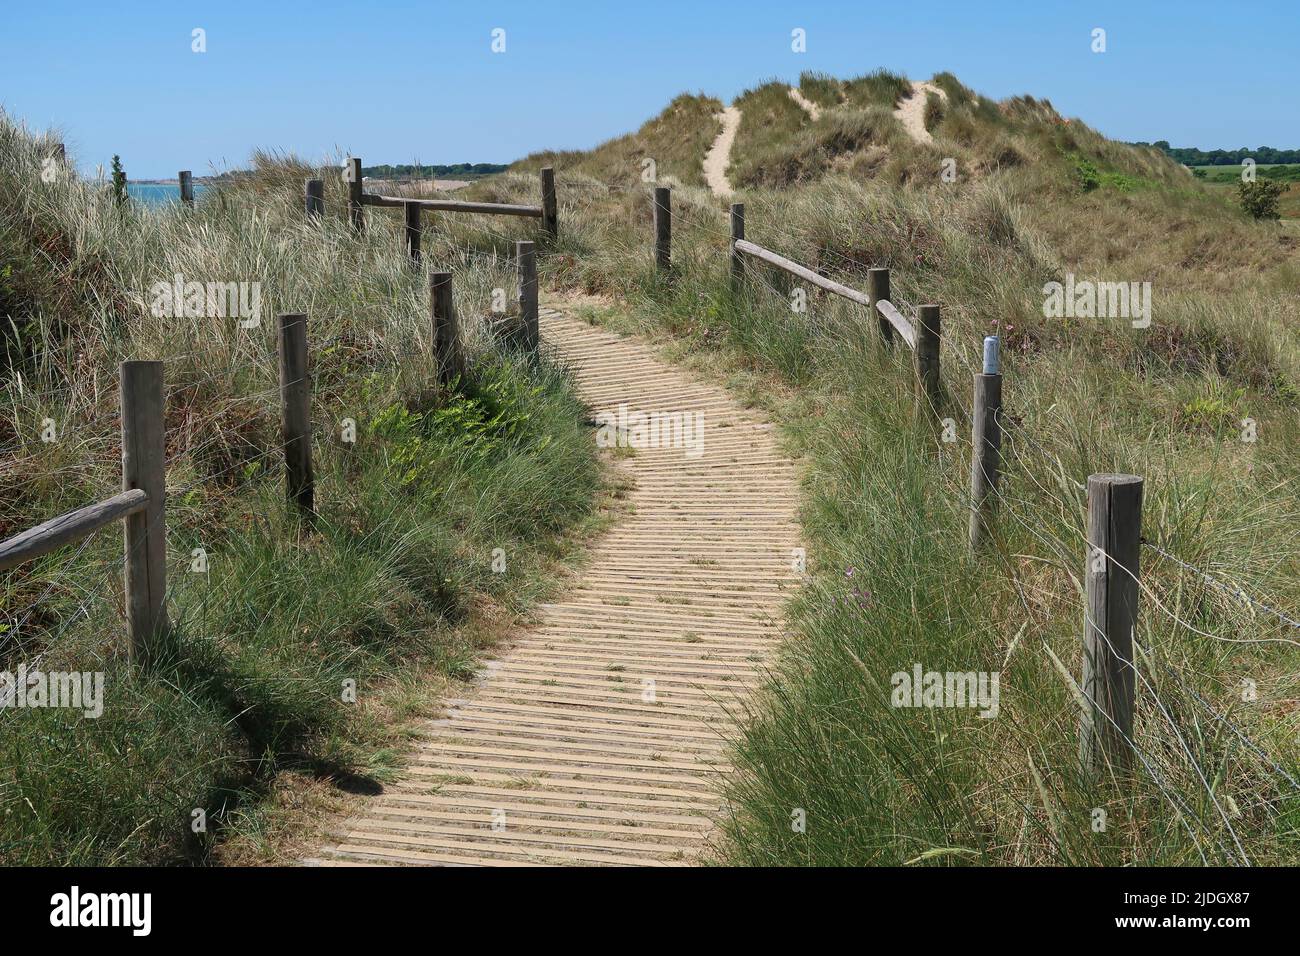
pixel 145 532
pixel 986 444
pixel 315 199
pixel 663 214
pixel 187 187
pixel 737 232
pixel 927 357
pixel 527 259
pixel 356 211
pixel 295 412
pixel 447 352
pixel 550 205
pixel 878 289
pixel 412 211
pixel 1110 615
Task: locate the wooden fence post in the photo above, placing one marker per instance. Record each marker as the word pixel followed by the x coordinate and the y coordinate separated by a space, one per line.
pixel 550 205
pixel 663 213
pixel 412 210
pixel 295 413
pixel 927 357
pixel 1110 615
pixel 187 187
pixel 526 257
pixel 315 198
pixel 986 444
pixel 145 532
pixel 356 211
pixel 878 289
pixel 447 352
pixel 737 232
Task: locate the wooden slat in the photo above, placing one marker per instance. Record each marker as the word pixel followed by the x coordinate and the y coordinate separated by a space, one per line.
pixel 455 205
pixel 556 742
pixel 885 307
pixel 67 528
pixel 905 328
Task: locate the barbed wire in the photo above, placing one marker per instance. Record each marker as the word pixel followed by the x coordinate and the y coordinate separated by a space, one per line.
pixel 1238 593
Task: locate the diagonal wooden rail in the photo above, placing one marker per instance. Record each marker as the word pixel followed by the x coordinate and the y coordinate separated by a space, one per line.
pixel 600 737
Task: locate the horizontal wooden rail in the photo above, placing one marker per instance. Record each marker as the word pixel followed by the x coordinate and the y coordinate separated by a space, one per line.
pixel 830 285
pixel 70 527
pixel 895 318
pixel 453 205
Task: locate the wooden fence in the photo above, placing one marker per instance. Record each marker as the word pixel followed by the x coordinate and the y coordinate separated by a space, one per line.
pixel 358 199
pixel 142 502
pixel 140 505
pixel 1114 501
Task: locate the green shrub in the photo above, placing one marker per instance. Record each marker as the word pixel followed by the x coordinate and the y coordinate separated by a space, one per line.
pixel 1260 198
pixel 1086 175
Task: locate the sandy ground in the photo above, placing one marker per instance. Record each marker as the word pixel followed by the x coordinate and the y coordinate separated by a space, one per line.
pixel 911 112
pixel 812 109
pixel 718 157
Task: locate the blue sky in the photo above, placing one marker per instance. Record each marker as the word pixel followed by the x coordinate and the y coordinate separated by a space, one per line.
pixel 397 82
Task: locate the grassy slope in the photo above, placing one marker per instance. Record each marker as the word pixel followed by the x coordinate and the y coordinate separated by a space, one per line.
pixel 885 517
pixel 767 116
pixel 395 592
pixel 676 140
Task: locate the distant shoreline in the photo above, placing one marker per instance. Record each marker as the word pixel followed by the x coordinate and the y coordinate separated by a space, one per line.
pixel 415 186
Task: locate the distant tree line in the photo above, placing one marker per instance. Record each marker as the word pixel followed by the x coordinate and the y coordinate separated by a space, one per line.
pixel 1191 156
pixel 404 170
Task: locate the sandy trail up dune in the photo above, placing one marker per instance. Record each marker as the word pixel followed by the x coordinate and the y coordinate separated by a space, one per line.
pixel 911 112
pixel 718 157
pixel 812 109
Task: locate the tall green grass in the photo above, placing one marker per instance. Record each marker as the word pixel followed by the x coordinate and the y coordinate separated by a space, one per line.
pixel 295 650
pixel 885 510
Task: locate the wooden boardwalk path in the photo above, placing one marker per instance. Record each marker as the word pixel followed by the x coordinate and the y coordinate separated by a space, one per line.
pixel 600 736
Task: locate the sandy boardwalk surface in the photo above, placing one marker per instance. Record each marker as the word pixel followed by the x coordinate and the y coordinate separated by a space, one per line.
pixel 601 736
pixel 812 109
pixel 718 157
pixel 911 112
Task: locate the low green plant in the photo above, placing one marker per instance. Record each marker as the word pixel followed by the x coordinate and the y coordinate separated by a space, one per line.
pixel 1261 198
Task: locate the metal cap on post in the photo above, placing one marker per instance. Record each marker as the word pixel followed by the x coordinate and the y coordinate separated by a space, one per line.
pixel 525 254
pixel 315 198
pixel 737 232
pixel 1111 576
pixel 986 444
pixel 145 532
pixel 992 355
pixel 663 217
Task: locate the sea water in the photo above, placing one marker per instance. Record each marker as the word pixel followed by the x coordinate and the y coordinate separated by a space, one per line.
pixel 160 194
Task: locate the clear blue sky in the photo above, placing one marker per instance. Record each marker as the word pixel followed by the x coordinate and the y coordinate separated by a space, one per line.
pixel 396 82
